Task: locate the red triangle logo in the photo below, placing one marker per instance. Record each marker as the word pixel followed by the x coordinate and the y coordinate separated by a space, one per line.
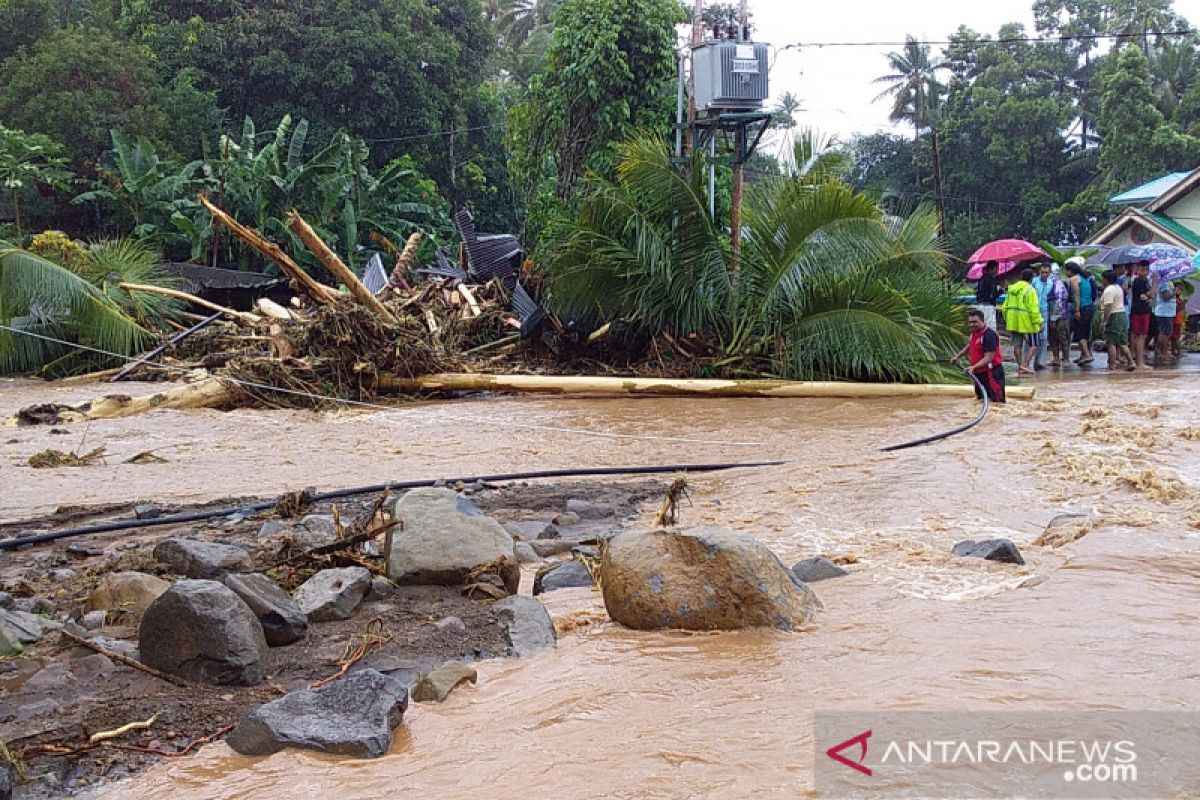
pixel 835 753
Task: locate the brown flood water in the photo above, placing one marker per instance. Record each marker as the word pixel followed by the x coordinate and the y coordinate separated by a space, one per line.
pixel 1111 621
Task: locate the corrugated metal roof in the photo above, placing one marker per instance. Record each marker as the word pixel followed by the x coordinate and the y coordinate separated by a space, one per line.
pixel 200 277
pixel 1149 192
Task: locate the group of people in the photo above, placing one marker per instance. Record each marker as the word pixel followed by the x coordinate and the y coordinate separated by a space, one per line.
pixel 1045 314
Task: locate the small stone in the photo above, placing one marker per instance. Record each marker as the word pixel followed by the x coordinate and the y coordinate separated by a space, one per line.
pixel 381 589
pixel 526 530
pixel 333 594
pixel 34 605
pixel 586 509
pixel 233 520
pixel 62 575
pixel 23 627
pixel 79 550
pixel 42 708
pixel 566 519
pixel 352 716
pixel 5 784
pixel 551 547
pixel 564 575
pixel 451 624
pixel 147 511
pixel 90 668
pixel 128 592
pixel 526 554
pixel 282 621
pixel 6 600
pixel 271 527
pixel 51 677
pixel 586 551
pixel 527 625
pixel 1064 520
pixel 130 546
pixel 315 530
pixel 811 570
pixel 202 560
pixel 93 620
pixel 435 686
pixel 1001 550
pixel 118 646
pixel 550 532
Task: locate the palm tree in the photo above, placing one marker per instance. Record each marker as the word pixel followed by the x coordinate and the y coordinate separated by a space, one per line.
pixel 827 288
pixel 910 83
pixel 520 18
pixel 1143 19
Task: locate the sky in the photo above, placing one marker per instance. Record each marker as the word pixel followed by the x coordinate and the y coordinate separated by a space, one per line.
pixel 835 83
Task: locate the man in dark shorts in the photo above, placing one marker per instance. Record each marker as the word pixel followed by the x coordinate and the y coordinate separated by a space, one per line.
pixel 983 353
pixel 1083 307
pixel 1140 312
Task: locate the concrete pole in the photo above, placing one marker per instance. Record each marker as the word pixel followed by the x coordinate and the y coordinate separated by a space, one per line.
pixel 697 40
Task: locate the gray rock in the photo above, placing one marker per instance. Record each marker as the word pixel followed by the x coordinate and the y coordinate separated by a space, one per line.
pixel 271 527
pixel 202 631
pixel 586 509
pixel 526 554
pixel 527 530
pixel 5 784
pixel 566 519
pixel 551 547
pixel 23 627
pixel 203 560
pixel 333 594
pixel 93 620
pixel 811 570
pixel 527 625
pixel 42 708
pixel 565 575
pixel 6 600
pixel 62 575
pixel 10 644
pixel 282 620
pixel 120 646
pixel 381 589
pixel 550 532
pixel 352 716
pixel 34 605
pixel 1064 520
pixel 707 579
pixel 81 550
pixel 451 624
pixel 446 538
pixel 129 592
pixel 1002 550
pixel 586 550
pixel 89 668
pixel 315 530
pixel 437 684
pixel 51 677
pixel 146 511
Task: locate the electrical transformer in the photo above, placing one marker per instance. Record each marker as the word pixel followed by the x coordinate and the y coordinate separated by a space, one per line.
pixel 730 77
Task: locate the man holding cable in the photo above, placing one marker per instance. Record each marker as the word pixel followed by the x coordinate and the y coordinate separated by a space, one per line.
pixel 986 363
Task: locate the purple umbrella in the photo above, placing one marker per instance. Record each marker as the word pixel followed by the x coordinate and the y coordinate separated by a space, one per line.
pixel 1172 269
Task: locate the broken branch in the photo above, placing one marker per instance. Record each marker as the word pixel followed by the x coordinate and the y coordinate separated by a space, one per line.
pixel 101 736
pixel 120 659
pixel 241 317
pixel 361 294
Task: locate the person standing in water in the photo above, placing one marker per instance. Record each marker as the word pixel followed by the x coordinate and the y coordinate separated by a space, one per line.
pixel 1059 320
pixel 987 293
pixel 1043 285
pixel 1115 323
pixel 1083 307
pixel 1164 320
pixel 1140 299
pixel 1023 319
pixel 983 352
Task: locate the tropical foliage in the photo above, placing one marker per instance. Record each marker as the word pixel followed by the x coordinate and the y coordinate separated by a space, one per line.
pixel 827 287
pixel 28 159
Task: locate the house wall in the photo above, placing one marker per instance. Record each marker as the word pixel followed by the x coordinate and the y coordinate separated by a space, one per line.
pixel 1186 211
pixel 1126 237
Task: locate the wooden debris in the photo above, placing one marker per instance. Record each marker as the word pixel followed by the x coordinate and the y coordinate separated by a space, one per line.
pixel 270 308
pixel 57 458
pixel 361 294
pixel 668 514
pixel 406 261
pixel 101 736
pixel 207 393
pixel 372 637
pixel 472 303
pixel 319 292
pixel 241 317
pixel 129 662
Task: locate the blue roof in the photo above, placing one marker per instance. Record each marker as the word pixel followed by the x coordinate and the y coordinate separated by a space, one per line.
pixel 1148 192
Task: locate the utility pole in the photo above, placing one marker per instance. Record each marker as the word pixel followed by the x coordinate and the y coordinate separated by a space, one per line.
pixel 735 216
pixel 697 40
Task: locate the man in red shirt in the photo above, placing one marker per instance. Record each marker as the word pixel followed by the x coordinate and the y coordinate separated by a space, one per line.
pixel 983 351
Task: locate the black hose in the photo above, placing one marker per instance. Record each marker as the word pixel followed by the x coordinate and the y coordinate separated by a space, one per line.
pixel 263 505
pixel 960 429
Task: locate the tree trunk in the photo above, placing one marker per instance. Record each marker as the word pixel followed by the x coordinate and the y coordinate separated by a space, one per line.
pixel 937 183
pixel 563 384
pixel 361 294
pixel 16 210
pixel 208 393
pixel 241 317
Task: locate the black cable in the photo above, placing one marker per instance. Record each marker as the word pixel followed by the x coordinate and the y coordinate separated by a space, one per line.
pixel 960 429
pixel 196 516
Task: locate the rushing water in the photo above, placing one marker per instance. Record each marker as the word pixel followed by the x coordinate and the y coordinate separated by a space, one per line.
pixel 1111 621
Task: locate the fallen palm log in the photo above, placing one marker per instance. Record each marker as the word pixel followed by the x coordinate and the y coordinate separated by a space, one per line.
pixel 555 384
pixel 361 294
pixel 269 308
pixel 207 393
pixel 406 260
pixel 242 317
pixel 319 292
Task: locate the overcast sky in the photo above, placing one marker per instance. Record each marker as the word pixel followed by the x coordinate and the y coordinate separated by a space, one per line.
pixel 834 83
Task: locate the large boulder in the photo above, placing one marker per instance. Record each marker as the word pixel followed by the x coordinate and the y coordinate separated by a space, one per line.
pixel 24 628
pixel 564 575
pixel 333 594
pixel 707 579
pixel 527 625
pixel 128 592
pixel 282 620
pixel 202 631
pixel 352 716
pixel 205 560
pixel 811 570
pixel 1002 550
pixel 445 539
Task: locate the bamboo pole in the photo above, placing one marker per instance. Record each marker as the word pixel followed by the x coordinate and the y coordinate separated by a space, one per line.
pixel 319 292
pixel 559 384
pixel 241 317
pixel 207 393
pixel 405 261
pixel 361 294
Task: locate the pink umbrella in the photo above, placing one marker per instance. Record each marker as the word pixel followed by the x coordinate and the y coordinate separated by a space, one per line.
pixel 1009 252
pixel 976 271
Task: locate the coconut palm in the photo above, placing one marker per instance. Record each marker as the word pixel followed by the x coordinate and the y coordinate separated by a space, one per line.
pixel 827 288
pixel 1143 20
pixel 910 85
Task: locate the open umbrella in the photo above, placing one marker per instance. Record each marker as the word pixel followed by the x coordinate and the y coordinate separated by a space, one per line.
pixel 1004 267
pixel 1016 250
pixel 1133 253
pixel 1172 269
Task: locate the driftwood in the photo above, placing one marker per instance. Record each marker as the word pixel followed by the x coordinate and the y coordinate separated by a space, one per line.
pixel 269 308
pixel 319 292
pixel 472 303
pixel 207 393
pixel 129 662
pixel 405 262
pixel 552 384
pixel 361 294
pixel 241 317
pixel 101 736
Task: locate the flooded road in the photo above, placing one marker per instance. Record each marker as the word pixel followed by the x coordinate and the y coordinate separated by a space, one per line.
pixel 1110 621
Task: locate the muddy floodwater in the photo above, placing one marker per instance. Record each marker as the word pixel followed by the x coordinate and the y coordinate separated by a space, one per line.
pixel 1108 621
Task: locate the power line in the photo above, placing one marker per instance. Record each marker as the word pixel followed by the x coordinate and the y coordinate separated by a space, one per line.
pixel 1087 37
